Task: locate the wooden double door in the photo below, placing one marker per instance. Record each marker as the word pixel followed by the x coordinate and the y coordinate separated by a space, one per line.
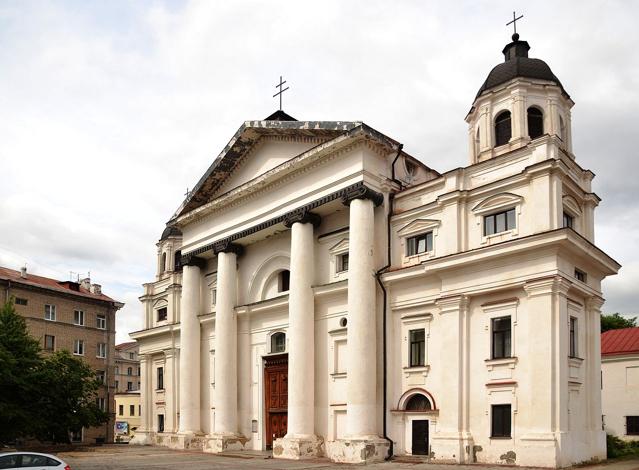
pixel 275 397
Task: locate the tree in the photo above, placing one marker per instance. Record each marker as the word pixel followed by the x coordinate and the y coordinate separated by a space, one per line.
pixel 19 364
pixel 68 400
pixel 41 397
pixel 616 322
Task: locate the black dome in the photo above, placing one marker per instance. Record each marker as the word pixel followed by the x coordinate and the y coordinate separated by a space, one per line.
pixel 171 231
pixel 518 64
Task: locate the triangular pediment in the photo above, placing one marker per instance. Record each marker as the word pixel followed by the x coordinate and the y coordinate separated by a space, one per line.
pixel 418 226
pixel 340 247
pixel 257 147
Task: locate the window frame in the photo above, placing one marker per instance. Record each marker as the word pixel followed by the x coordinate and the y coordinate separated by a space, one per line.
pixel 339 264
pixel 274 345
pixel 78 318
pixel 580 275
pixel 162 314
pixel 494 215
pixel 573 342
pixel 78 347
pixel 416 348
pixel 120 410
pixel 634 426
pixel 506 423
pixel 21 301
pixel 160 422
pixel 101 351
pixel 570 219
pixel 159 373
pixel 498 121
pixel 100 320
pixel 283 281
pixel 412 244
pixel 506 342
pixel 539 116
pixel 131 410
pixel 49 311
pixel 52 348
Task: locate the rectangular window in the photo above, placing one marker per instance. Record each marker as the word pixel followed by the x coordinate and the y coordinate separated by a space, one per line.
pixel 580 275
pixel 573 337
pixel 160 423
pixel 20 301
pixel 632 425
pixel 499 222
pixel 417 347
pixel 131 355
pixel 101 402
pixel 101 322
pixel 162 314
pixel 101 350
pixel 213 297
pixel 160 378
pixel 139 410
pixel 501 330
pixel 117 384
pixel 78 347
pixel 78 317
pixel 342 263
pixel 49 312
pixel 76 435
pixel 500 425
pixel 121 410
pixel 101 376
pixel 569 220
pixel 129 386
pixel 422 243
pixel 49 343
pixel 132 410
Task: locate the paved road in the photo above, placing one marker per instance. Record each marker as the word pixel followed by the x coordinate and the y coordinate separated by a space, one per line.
pixel 125 457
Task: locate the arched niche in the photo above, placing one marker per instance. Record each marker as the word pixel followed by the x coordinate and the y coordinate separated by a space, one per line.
pixel 417 397
pixel 265 281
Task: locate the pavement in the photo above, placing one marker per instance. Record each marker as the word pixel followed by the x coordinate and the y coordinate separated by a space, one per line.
pixel 125 457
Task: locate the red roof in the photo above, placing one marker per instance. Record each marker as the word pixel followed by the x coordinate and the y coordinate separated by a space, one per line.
pixel 623 341
pixel 51 284
pixel 125 345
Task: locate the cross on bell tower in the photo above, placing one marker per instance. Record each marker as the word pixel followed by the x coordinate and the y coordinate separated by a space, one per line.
pixel 281 91
pixel 514 23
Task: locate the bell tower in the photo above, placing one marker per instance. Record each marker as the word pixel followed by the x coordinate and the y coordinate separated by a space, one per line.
pixel 169 253
pixel 520 101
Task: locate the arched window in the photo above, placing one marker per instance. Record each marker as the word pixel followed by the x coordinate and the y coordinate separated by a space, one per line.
pixel 535 122
pixel 163 267
pixel 418 402
pixel 178 261
pixel 284 280
pixel 503 131
pixel 477 142
pixel 278 342
pixel 562 129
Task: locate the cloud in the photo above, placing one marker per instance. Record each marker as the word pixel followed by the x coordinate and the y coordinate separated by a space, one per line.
pixel 109 111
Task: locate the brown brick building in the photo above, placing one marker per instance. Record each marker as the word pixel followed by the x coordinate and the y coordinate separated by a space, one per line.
pixel 74 316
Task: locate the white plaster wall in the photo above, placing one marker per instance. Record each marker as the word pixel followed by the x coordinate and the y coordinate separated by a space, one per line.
pixel 620 392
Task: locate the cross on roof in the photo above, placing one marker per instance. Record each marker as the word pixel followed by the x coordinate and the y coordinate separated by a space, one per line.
pixel 279 85
pixel 514 22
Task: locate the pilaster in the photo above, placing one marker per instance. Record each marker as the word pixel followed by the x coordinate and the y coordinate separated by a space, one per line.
pixel 144 433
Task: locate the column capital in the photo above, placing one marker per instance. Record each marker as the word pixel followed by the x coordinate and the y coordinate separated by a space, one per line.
pixel 226 246
pixel 192 260
pixel 547 285
pixel 361 191
pixel 169 353
pixel 452 303
pixel 594 303
pixel 303 216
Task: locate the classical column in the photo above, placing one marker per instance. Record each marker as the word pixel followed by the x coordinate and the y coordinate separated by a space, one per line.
pixel 190 347
pixel 226 435
pixel 144 432
pixel 300 441
pixel 362 442
pixel 453 440
pixel 593 382
pixel 169 390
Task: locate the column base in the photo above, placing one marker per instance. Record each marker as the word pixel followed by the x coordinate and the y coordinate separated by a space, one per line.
pixel 354 450
pixel 142 438
pixel 453 447
pixel 221 442
pixel 298 448
pixel 183 440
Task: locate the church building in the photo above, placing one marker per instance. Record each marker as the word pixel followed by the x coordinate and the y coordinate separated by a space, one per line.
pixel 320 292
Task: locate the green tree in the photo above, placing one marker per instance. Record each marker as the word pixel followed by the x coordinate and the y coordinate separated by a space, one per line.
pixel 19 364
pixel 68 399
pixel 616 322
pixel 41 397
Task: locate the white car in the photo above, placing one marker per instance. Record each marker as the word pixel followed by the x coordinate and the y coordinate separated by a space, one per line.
pixel 18 460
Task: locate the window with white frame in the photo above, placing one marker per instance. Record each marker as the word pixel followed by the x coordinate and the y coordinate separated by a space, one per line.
pixel 101 350
pixel 500 222
pixel 339 257
pixel 342 263
pixel 49 343
pixel 417 348
pixel 278 342
pixel 78 317
pixel 101 403
pixel 162 314
pixel 418 244
pixel 569 220
pixel 49 312
pixel 574 337
pixel 101 322
pixel 78 347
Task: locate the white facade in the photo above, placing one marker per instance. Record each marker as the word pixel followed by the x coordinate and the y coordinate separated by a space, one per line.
pixel 433 335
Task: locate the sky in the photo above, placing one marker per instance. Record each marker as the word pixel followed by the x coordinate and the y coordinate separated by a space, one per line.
pixel 109 111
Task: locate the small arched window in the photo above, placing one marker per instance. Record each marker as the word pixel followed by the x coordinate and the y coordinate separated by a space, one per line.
pixel 535 122
pixel 163 267
pixel 278 342
pixel 284 280
pixel 418 402
pixel 503 130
